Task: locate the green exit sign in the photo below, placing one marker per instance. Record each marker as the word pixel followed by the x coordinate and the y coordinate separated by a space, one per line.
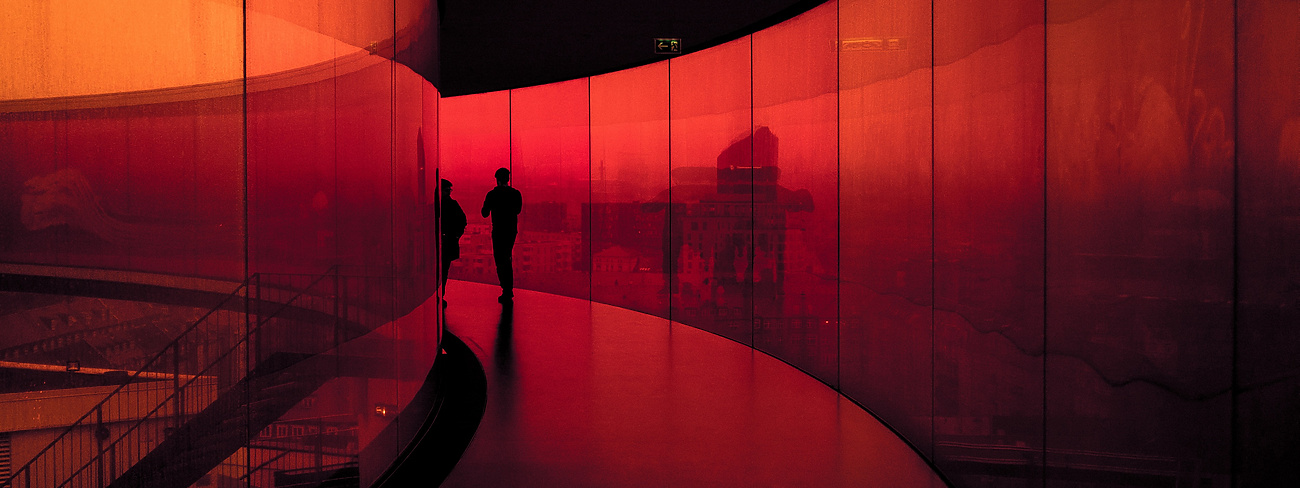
pixel 668 45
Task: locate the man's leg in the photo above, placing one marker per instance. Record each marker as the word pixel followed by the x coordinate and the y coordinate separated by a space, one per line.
pixel 502 244
pixel 509 283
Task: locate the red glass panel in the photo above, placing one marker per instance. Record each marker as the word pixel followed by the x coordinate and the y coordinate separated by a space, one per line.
pixel 31 142
pixel 795 193
pixel 364 151
pixel 415 319
pixel 426 176
pixel 1268 253
pixel 94 151
pixel 885 208
pixel 710 231
pixel 108 181
pixel 293 178
pixel 218 199
pixel 988 241
pixel 629 179
pixel 1139 240
pixel 409 219
pixel 550 161
pixel 473 141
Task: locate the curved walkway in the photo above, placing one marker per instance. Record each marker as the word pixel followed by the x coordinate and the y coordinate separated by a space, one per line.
pixel 586 394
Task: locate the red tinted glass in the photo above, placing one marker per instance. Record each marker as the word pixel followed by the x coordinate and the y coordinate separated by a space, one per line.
pixel 710 232
pixel 795 192
pixel 629 188
pixel 885 210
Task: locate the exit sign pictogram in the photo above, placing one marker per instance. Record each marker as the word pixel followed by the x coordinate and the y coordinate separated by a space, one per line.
pixel 668 45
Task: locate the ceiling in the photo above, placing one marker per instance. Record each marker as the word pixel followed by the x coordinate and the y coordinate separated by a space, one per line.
pixel 489 45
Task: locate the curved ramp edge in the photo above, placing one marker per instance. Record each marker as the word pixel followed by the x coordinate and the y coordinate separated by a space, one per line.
pixel 452 399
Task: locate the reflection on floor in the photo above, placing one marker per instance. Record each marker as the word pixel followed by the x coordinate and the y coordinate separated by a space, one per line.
pixel 585 394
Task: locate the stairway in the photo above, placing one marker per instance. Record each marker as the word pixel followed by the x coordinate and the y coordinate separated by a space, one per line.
pixel 274 386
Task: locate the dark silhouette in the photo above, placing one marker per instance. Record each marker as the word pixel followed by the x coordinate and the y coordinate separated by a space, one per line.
pixel 503 204
pixel 453 226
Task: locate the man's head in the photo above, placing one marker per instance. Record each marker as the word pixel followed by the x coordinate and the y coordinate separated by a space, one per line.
pixel 446 187
pixel 503 176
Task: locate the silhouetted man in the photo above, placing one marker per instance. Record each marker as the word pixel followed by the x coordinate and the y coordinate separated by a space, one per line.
pixel 453 226
pixel 503 204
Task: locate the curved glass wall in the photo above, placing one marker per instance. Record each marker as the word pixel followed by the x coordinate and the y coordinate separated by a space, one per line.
pixel 1048 243
pixel 1030 237
pixel 272 162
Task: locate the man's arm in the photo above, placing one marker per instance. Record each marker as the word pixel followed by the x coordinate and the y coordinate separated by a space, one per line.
pixel 486 205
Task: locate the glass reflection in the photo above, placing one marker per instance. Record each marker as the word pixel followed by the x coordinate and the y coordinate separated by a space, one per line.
pixel 629 147
pixel 1029 246
pixel 710 159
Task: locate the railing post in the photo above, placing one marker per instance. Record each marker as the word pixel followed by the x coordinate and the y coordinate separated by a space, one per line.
pixel 250 358
pixel 100 436
pixel 112 461
pixel 176 386
pixel 337 299
pixel 257 329
pixel 320 443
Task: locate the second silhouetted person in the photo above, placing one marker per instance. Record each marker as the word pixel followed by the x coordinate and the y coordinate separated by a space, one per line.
pixel 453 226
pixel 503 204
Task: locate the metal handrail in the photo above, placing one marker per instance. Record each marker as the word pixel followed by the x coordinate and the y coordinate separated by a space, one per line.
pixel 174 347
pixel 132 379
pixel 177 390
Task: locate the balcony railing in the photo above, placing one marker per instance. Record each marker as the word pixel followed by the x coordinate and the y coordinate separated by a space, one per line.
pixel 207 393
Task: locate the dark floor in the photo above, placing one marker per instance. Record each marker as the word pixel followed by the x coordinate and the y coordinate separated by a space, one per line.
pixel 585 394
